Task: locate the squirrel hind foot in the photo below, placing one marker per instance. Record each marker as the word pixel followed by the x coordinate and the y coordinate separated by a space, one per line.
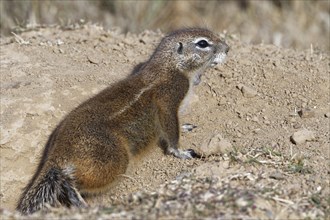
pixel 183 154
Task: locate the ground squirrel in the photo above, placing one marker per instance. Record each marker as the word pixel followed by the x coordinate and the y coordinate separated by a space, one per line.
pixel 94 143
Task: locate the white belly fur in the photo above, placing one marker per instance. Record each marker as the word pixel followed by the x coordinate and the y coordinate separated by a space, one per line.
pixel 189 98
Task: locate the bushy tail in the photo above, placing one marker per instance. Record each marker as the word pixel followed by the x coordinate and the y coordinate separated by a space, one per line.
pixel 51 188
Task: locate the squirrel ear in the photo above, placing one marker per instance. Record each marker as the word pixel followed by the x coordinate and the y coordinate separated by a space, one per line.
pixel 179 48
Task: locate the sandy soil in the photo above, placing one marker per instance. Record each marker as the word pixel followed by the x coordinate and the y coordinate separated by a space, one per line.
pixel 256 101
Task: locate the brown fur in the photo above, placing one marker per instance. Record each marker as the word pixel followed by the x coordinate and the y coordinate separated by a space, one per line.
pixel 94 143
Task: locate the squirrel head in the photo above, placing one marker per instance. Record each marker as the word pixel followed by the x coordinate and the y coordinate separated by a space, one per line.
pixel 191 50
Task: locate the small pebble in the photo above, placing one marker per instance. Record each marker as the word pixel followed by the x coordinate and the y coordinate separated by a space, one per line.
pixel 267 122
pixel 247 91
pixel 296 125
pixel 241 202
pixel 93 59
pixel 306 113
pixel 302 136
pixel 276 175
pixel 59 42
pixel 255 119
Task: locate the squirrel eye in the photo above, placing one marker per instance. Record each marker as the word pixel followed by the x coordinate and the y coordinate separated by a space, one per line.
pixel 202 44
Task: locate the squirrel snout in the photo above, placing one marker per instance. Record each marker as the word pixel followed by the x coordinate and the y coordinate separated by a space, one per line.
pixel 222 47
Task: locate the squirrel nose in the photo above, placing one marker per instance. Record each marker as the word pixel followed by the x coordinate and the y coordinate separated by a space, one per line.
pixel 223 47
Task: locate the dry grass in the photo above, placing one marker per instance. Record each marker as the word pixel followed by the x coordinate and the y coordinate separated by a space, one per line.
pixel 240 195
pixel 298 24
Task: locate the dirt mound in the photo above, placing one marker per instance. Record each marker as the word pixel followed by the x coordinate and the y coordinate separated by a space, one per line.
pixel 261 101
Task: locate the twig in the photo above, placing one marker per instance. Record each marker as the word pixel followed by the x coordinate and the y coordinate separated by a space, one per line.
pixel 129 177
pixel 283 201
pixel 20 40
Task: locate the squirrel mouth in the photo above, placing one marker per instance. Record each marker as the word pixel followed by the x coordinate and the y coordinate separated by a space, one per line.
pixel 219 58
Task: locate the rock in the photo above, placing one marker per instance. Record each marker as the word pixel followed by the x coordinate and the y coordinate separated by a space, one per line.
pixel 93 59
pixel 215 145
pixel 306 113
pixel 241 202
pixel 214 170
pixel 302 136
pixel 59 42
pixel 277 175
pixel 255 119
pixel 296 125
pixel 247 91
pixel 327 115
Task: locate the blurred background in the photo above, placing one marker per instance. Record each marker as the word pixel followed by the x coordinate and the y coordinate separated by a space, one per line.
pixel 286 23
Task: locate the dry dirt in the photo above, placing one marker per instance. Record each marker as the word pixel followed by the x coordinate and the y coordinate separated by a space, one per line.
pixel 257 100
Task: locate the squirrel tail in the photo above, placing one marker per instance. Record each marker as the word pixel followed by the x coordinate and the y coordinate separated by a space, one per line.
pixel 50 189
